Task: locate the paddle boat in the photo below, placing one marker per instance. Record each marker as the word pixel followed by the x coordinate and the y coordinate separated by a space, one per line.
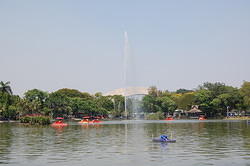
pixel 89 120
pixel 169 118
pixel 202 118
pixel 95 121
pixel 164 138
pixel 59 122
pixel 85 120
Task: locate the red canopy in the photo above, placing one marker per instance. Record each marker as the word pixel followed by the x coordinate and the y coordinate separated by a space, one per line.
pixel 86 117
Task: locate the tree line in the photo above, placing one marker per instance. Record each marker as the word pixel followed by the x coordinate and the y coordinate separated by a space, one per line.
pixel 61 103
pixel 214 99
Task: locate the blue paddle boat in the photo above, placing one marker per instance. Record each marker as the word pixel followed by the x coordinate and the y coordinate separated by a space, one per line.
pixel 164 138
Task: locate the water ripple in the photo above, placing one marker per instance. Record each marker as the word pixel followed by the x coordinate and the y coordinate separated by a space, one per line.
pixel 126 142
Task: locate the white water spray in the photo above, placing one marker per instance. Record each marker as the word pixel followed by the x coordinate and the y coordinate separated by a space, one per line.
pixel 132 102
pixel 125 68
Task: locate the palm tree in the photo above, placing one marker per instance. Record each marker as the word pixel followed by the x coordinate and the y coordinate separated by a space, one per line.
pixel 5 87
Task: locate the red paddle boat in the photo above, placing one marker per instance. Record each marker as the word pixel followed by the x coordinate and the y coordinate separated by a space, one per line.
pixel 59 122
pixel 202 118
pixel 89 120
pixel 169 118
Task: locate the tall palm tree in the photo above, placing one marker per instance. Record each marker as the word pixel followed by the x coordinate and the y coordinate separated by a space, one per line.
pixel 5 87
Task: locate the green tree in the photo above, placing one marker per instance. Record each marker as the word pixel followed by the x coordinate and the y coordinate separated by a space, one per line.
pixel 153 91
pixel 185 101
pixel 214 88
pixel 8 106
pixel 203 98
pixel 220 103
pixel 36 98
pixel 183 91
pixel 5 87
pixel 98 94
pixel 36 94
pixel 150 104
pixel 7 101
pixel 27 107
pixel 82 106
pixel 58 104
pixel 104 105
pixel 118 106
pixel 73 93
pixel 214 98
pixel 166 104
pixel 245 93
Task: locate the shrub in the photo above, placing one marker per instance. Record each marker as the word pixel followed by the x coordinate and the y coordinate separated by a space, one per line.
pixel 155 116
pixel 35 120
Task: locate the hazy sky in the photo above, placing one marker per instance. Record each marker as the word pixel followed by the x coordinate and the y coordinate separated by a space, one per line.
pixel 53 44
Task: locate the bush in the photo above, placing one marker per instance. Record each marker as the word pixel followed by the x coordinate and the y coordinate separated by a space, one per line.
pixel 35 120
pixel 155 116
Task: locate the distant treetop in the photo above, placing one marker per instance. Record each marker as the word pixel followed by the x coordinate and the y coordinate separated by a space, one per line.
pixel 183 90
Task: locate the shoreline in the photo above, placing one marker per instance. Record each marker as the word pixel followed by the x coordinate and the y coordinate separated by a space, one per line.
pixel 10 121
pixel 74 119
pixel 237 118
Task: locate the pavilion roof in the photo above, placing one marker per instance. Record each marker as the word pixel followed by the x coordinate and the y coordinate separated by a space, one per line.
pixel 194 109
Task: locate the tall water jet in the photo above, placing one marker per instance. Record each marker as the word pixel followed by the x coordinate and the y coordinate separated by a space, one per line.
pixel 125 67
pixel 133 99
pixel 129 67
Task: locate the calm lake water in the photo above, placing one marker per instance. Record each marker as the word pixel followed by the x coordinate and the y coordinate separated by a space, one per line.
pixel 127 143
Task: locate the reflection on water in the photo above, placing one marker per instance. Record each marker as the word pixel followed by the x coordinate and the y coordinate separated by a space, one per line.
pixel 127 143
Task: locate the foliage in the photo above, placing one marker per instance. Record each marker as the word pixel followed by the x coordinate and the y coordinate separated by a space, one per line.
pixel 73 93
pixel 119 106
pixel 104 105
pixel 11 113
pixel 214 88
pixel 245 93
pixel 35 120
pixel 167 105
pixel 82 106
pixel 214 99
pixel 150 104
pixel 36 95
pixel 29 107
pixel 155 116
pixel 183 91
pixel 203 99
pixel 59 104
pixel 159 101
pixel 5 87
pixel 8 102
pixel 185 101
pixel 152 91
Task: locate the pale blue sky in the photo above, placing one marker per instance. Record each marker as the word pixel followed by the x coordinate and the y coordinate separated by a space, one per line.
pixel 79 44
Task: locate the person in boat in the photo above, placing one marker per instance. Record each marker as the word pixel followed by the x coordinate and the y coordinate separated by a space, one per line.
pixel 58 122
pixel 164 137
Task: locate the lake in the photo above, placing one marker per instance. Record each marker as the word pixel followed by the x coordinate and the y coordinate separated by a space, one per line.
pixel 127 143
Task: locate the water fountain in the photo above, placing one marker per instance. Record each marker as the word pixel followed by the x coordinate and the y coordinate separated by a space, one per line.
pixel 133 100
